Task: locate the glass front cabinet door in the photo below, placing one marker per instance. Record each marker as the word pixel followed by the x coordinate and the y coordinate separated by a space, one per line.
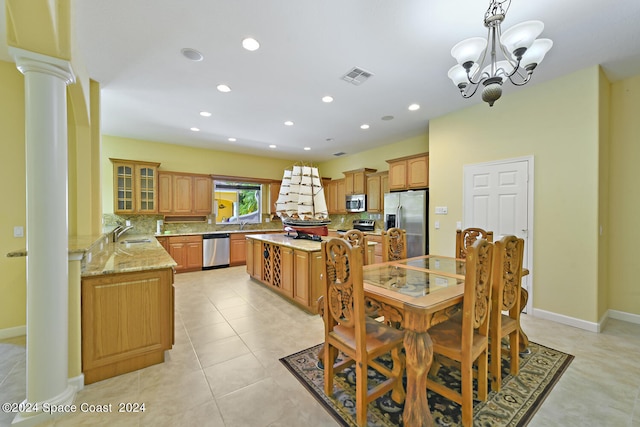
pixel 135 187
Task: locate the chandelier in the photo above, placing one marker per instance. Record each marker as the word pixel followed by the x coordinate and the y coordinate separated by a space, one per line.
pixel 519 46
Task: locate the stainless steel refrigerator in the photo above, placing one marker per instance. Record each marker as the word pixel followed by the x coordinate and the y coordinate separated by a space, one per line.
pixel 409 210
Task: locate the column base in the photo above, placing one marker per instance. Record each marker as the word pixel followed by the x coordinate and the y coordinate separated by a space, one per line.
pixel 28 419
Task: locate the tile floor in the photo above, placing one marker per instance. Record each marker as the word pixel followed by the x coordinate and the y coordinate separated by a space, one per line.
pixel 224 368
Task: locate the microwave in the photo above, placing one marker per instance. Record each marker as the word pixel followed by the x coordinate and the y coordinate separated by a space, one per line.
pixel 356 203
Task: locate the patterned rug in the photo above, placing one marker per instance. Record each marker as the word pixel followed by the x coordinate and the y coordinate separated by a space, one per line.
pixel 515 404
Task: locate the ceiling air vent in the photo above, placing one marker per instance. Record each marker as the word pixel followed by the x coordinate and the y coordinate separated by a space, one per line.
pixel 356 76
pixel 341 153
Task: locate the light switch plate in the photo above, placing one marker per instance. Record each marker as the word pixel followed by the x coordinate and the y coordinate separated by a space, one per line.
pixel 441 210
pixel 18 231
pixel 436 225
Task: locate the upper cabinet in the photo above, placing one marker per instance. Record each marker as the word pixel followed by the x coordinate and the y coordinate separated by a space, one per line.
pixel 409 172
pixel 355 181
pixel 377 185
pixel 135 187
pixel 334 193
pixel 184 194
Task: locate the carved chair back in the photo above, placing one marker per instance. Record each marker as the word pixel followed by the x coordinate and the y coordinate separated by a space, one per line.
pixel 394 244
pixel 465 238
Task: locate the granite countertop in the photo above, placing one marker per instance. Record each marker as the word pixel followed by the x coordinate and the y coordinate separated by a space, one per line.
pixel 284 240
pixel 199 233
pixel 133 253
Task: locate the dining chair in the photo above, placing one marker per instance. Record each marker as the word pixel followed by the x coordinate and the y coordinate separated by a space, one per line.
pixel 394 244
pixel 465 339
pixel 357 238
pixel 465 238
pixel 359 338
pixel 505 306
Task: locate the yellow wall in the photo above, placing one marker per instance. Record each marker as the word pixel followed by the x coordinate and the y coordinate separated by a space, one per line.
pixel 557 123
pixel 624 196
pixel 12 174
pixel 374 158
pixel 181 158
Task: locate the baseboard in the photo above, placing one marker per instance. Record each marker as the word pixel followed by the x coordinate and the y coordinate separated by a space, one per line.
pixel 17 331
pixel 566 320
pixel 621 315
pixel 77 382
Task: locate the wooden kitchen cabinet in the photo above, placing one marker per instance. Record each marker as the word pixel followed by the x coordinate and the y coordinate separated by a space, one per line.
pixel 127 322
pixel 186 251
pixel 135 187
pixel 183 194
pixel 274 191
pixel 341 203
pixel 334 193
pixel 377 251
pixel 377 186
pixel 355 181
pixel 411 172
pixel 164 241
pixel 238 249
pixel 293 273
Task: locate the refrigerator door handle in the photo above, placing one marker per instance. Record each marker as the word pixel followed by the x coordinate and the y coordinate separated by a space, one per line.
pixel 398 216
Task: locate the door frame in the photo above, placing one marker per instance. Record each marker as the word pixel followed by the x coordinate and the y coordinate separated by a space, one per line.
pixel 527 281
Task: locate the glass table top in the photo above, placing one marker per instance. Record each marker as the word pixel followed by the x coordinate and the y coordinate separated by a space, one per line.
pixel 444 265
pixel 414 283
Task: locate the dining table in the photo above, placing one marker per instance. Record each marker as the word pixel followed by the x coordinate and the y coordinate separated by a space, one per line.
pixel 415 294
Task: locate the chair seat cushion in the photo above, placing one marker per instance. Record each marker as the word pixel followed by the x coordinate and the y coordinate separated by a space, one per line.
pixel 378 335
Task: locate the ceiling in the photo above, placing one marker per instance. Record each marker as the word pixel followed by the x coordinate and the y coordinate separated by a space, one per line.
pixel 151 91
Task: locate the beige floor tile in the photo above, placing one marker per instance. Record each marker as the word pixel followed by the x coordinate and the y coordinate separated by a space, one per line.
pixel 224 368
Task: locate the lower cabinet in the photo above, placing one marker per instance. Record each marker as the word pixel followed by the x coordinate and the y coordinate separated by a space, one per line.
pixel 377 252
pixel 127 322
pixel 292 273
pixel 186 251
pixel 238 249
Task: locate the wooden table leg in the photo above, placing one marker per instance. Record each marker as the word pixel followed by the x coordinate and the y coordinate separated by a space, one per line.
pixel 419 353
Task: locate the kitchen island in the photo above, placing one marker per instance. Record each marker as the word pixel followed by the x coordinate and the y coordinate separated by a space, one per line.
pixel 291 267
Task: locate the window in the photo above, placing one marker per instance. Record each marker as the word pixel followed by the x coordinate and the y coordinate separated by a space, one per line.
pixel 237 202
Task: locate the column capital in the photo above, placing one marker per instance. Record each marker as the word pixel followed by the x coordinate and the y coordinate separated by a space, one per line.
pixel 27 60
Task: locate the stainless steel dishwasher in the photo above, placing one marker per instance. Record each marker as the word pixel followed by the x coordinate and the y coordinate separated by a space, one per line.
pixel 215 250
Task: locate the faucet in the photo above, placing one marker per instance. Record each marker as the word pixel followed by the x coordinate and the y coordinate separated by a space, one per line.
pixel 119 231
pixel 242 224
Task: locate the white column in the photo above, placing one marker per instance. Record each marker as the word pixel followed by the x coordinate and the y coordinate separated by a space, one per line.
pixel 45 80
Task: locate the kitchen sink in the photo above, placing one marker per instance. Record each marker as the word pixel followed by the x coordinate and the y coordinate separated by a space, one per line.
pixel 136 241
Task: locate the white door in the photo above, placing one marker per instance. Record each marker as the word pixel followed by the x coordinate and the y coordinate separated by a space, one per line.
pixel 498 196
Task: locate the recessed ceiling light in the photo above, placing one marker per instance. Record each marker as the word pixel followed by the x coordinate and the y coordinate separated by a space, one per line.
pixel 414 107
pixel 195 129
pixel 232 140
pixel 191 54
pixel 364 126
pixel 205 114
pixel 272 146
pixel 250 44
pixel 224 88
pixel 288 123
pixel 307 148
pixel 327 99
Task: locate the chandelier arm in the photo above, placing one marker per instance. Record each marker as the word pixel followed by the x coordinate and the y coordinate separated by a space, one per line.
pixel 481 76
pixel 525 80
pixel 469 95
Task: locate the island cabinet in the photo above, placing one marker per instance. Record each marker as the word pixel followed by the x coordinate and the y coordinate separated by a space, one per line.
pixel 127 321
pixel 407 173
pixel 377 252
pixel 292 268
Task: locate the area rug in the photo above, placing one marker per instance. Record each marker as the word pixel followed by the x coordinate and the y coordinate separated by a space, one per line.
pixel 514 405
